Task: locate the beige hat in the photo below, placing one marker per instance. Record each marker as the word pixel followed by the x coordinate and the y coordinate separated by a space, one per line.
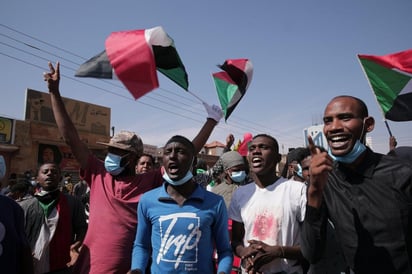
pixel 126 140
pixel 231 159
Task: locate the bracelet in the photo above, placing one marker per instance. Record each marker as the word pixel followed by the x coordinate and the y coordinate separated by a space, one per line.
pixel 283 251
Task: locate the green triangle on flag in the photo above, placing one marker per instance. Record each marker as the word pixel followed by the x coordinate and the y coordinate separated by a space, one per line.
pixel 226 90
pixel 232 83
pixel 390 78
pixel 386 83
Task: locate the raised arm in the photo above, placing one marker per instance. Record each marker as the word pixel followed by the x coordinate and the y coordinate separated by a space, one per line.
pixel 214 113
pixel 64 123
pixel 230 139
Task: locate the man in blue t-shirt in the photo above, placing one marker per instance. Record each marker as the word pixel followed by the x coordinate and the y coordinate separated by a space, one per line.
pixel 180 223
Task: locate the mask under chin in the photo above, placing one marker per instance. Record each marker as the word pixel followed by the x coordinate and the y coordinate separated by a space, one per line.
pixel 350 157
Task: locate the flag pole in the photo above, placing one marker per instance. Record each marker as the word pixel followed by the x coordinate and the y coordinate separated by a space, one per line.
pixel 200 99
pixel 387 127
pixel 376 98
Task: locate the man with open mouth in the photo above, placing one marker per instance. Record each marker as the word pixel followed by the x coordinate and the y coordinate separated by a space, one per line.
pixel 366 195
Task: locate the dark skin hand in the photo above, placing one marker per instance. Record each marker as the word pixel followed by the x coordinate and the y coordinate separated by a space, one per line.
pixel 229 141
pixel 320 166
pixel 74 253
pixel 248 255
pixel 264 254
pixel 53 77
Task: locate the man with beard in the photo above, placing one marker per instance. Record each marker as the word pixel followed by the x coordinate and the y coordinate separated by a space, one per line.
pixel 366 195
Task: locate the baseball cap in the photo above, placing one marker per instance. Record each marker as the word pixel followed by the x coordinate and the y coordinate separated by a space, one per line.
pixel 126 140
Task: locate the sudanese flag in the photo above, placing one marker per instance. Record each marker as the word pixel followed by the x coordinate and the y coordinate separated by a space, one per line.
pixel 232 83
pixel 133 57
pixel 390 77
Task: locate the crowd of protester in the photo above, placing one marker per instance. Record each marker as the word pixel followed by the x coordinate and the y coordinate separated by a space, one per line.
pixel 344 209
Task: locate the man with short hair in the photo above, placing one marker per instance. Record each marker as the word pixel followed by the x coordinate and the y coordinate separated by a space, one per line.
pixel 291 167
pixel 145 163
pixel 366 195
pixel 55 223
pixel 115 189
pixel 180 222
pixel 267 214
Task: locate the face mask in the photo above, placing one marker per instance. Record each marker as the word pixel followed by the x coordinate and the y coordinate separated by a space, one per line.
pixel 299 172
pixel 2 167
pixel 112 163
pixel 357 150
pixel 188 176
pixel 349 158
pixel 238 176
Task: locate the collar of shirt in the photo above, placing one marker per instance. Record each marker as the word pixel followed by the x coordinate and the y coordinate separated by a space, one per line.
pixel 364 169
pixel 198 194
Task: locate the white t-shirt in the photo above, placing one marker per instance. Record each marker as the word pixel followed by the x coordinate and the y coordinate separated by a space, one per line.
pixel 271 215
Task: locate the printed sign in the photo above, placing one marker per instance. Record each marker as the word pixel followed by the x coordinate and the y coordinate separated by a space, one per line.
pixel 86 117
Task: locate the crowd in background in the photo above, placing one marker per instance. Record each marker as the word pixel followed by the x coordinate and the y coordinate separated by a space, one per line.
pixel 344 209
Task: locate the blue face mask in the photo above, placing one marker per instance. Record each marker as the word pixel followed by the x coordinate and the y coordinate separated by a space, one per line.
pixel 299 172
pixel 349 158
pixel 112 163
pixel 188 176
pixel 238 176
pixel 2 167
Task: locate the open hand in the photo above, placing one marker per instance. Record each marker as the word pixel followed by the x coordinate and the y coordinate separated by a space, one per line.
pixel 213 112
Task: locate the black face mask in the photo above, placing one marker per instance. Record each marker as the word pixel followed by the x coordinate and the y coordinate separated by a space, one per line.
pixel 47 197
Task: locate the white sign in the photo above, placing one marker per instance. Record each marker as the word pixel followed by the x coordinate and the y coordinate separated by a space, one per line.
pixel 316 132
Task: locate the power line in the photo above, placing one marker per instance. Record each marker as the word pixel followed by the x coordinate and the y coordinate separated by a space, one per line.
pixel 240 123
pixel 41 41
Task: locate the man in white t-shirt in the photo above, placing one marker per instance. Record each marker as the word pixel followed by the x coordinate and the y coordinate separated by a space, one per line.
pixel 267 214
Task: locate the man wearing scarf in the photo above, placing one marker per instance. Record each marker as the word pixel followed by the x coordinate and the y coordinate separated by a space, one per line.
pixel 55 223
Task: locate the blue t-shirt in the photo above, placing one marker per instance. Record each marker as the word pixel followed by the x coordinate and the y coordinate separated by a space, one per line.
pixel 182 238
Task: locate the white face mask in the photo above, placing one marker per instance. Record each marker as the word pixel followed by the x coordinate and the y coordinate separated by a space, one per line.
pixel 187 177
